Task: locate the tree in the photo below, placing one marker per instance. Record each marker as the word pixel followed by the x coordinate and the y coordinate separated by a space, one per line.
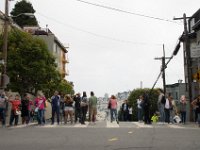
pixel 135 95
pixel 31 67
pixel 23 20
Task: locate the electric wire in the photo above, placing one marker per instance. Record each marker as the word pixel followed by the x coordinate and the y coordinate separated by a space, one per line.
pixel 97 35
pixel 125 11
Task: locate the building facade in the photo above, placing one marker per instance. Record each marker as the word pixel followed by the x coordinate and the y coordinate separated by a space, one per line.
pixel 58 50
pixel 194 53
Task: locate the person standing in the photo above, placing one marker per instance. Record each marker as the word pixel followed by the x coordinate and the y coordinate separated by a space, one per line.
pixel 25 107
pixel 68 108
pixel 140 108
pixel 130 113
pixel 77 100
pixel 196 104
pixel 3 104
pixel 84 107
pixel 183 105
pixel 113 109
pixel 168 106
pixel 161 105
pixel 93 107
pixel 146 108
pixel 40 108
pixel 125 110
pixel 15 110
pixel 55 104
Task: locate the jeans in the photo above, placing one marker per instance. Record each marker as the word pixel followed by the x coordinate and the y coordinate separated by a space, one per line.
pixel 139 114
pixel 199 118
pixel 183 116
pixel 162 113
pixel 113 112
pixel 77 114
pixel 167 115
pixel 125 114
pixel 83 114
pixel 13 117
pixel 3 116
pixel 41 116
pixel 57 111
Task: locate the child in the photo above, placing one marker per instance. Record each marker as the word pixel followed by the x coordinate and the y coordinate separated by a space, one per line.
pixel 154 118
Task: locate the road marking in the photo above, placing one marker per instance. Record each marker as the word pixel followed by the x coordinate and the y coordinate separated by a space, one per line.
pixel 142 125
pixel 81 125
pixel 113 139
pixel 130 132
pixel 175 126
pixel 112 125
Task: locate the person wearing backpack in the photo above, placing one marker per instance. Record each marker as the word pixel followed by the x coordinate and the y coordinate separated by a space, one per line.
pixel 161 105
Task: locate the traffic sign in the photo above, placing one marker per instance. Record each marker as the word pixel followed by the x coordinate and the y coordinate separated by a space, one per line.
pixel 196 76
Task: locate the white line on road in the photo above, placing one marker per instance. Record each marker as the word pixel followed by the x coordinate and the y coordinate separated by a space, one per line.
pixel 112 125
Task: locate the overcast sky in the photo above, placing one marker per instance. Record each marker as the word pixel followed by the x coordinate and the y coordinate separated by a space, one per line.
pixel 112 51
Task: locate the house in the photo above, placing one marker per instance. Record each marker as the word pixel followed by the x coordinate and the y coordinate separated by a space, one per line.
pixel 58 50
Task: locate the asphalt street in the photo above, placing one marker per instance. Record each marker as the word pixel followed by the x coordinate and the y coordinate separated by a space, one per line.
pixel 102 136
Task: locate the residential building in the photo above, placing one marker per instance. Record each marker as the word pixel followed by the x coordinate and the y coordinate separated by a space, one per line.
pixel 194 49
pixel 176 90
pixel 58 50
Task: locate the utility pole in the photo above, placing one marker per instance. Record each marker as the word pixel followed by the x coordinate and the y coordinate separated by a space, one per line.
pixel 187 61
pixel 163 67
pixel 4 76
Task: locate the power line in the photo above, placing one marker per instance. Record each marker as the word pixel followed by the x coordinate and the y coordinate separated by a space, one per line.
pixel 98 35
pixel 125 11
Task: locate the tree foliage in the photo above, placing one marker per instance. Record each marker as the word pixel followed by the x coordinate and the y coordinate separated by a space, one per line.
pixel 30 65
pixel 153 97
pixel 23 20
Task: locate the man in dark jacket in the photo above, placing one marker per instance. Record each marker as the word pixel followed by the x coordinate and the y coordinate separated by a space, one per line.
pixel 77 100
pixel 55 103
pixel 125 110
pixel 146 107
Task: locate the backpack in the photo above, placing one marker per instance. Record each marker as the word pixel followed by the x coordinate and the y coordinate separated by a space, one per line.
pixel 163 100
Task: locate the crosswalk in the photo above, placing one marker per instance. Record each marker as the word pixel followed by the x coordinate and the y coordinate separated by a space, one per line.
pixel 108 124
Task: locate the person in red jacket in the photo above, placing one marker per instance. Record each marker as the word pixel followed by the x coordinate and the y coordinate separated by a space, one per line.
pixel 15 110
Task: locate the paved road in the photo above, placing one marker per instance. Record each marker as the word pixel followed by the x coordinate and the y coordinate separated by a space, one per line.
pixel 102 136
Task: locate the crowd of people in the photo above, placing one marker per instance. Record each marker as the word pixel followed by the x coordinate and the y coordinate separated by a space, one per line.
pixel 73 109
pixel 66 108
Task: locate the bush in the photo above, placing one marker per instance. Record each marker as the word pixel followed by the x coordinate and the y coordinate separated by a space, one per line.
pixel 153 97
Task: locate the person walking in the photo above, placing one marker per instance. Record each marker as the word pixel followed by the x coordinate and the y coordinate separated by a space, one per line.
pixel 183 105
pixel 40 108
pixel 161 105
pixel 84 107
pixel 68 103
pixel 140 108
pixel 55 104
pixel 113 109
pixel 3 104
pixel 93 107
pixel 15 110
pixel 77 100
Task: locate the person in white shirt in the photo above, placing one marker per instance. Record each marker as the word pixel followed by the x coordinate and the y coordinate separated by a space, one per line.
pixel 139 108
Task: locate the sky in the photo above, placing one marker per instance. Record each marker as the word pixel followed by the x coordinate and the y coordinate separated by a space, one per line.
pixel 113 51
